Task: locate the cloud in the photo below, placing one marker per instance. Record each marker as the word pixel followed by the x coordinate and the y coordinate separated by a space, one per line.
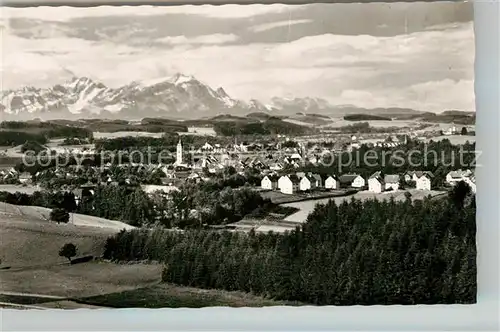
pixel 203 39
pixel 65 14
pixel 269 26
pixel 436 96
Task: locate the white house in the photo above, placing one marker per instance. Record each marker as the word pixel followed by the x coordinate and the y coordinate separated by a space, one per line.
pixel 391 181
pixel 410 176
pixel 25 177
pixel 451 131
pixel 243 147
pixel 307 183
pixel 281 181
pixel 376 183
pixel 415 175
pixel 352 180
pixel 150 189
pixel 207 147
pixel 332 182
pixel 423 182
pixel 269 182
pixel 289 184
pixel 358 182
pixel 313 160
pixel 454 177
pixel 276 167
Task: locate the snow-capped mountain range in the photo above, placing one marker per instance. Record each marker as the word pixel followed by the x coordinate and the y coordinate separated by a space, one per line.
pixel 178 96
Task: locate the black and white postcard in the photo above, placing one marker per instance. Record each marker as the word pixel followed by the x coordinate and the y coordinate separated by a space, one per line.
pixel 237 156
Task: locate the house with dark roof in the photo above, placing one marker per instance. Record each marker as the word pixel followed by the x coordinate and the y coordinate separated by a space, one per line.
pixel 454 177
pixel 391 181
pixel 307 183
pixel 300 175
pixel 332 182
pixel 423 182
pixel 289 184
pixel 25 177
pixel 318 180
pixel 269 182
pixel 352 180
pixel 376 182
pixel 414 175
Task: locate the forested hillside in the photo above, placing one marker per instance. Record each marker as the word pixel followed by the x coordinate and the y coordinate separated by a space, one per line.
pixel 392 253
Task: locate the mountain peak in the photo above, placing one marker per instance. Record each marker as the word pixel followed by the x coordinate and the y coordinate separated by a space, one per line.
pixel 181 78
pixel 83 81
pixel 222 92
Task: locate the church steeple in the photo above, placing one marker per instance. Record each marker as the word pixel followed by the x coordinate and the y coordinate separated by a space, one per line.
pixel 179 158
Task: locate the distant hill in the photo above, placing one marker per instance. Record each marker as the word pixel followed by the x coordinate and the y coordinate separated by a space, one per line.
pixel 314 115
pixel 228 117
pixel 458 113
pixel 271 126
pixel 365 117
pixel 451 117
pixel 263 116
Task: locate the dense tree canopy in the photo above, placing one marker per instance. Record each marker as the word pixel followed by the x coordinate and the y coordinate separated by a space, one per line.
pixel 391 253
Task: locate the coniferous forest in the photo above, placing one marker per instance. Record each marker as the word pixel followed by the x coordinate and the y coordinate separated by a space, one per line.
pixel 355 253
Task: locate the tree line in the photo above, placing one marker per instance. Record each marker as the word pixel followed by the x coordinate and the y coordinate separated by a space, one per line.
pixel 35 130
pixel 354 253
pixel 271 126
pixel 194 205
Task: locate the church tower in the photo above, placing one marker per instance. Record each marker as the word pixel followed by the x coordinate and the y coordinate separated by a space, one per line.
pixel 179 158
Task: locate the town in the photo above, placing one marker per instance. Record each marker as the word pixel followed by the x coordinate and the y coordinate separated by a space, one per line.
pixel 283 170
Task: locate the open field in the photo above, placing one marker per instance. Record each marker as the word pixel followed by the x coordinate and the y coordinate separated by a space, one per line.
pixel 43 214
pixel 308 122
pixel 38 278
pixel 340 122
pixel 454 139
pixel 306 207
pixel 278 197
pixel 30 266
pixel 79 280
pixel 29 243
pixel 172 296
pixel 337 123
pixel 118 134
pixel 11 152
pixel 202 131
pixel 13 188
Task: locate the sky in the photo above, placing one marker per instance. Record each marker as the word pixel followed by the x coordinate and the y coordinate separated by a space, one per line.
pixel 413 55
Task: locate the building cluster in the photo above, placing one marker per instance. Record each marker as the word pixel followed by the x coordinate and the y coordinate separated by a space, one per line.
pixel 270 159
pixel 468 176
pixel 11 175
pixel 378 182
pixel 305 182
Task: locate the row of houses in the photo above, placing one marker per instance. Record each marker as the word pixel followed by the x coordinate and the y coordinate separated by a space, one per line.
pixel 300 181
pixel 377 182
